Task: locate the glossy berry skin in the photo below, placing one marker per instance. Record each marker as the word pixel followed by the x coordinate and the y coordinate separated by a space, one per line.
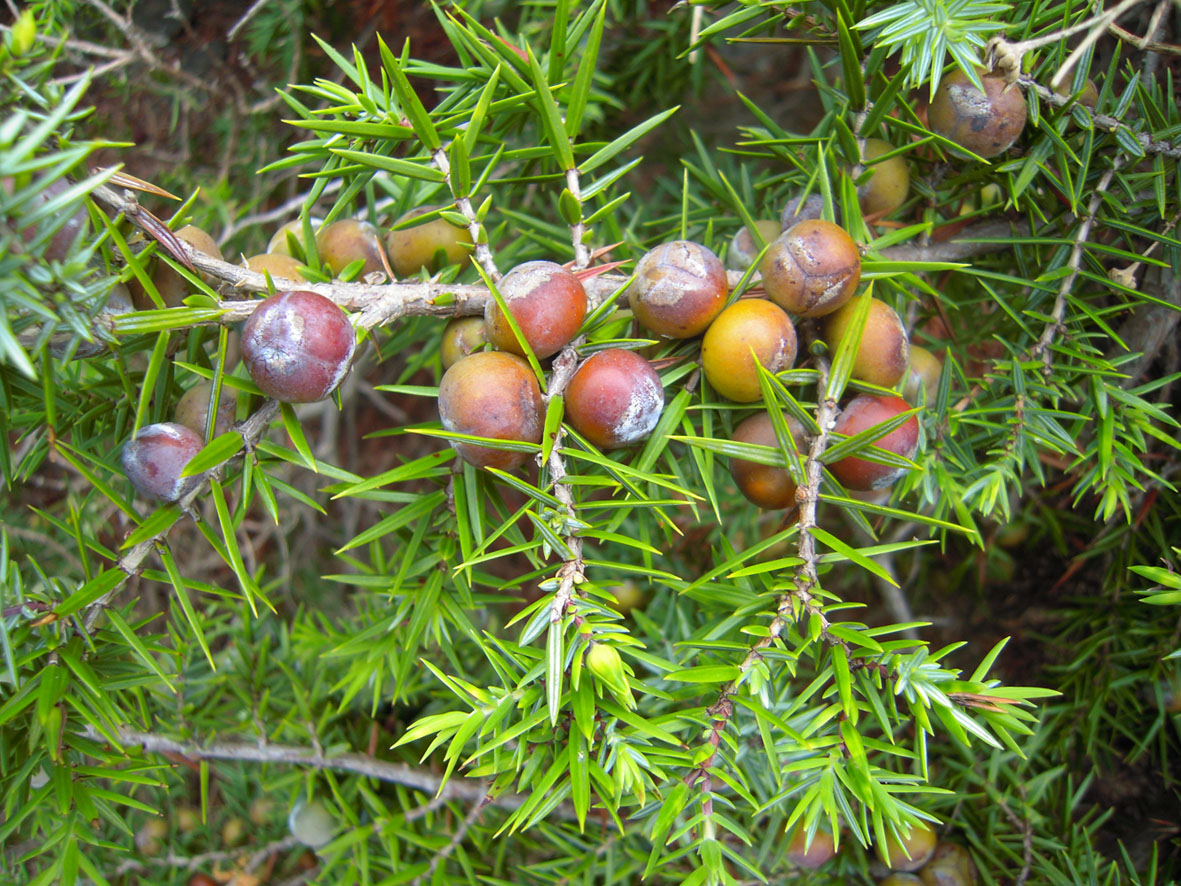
pixel 951 865
pixel 883 353
pixel 812 269
pixel 799 209
pixel 548 303
pixel 889 182
pixel 174 288
pixel 154 459
pixel 748 329
pixel 614 399
pixel 678 290
pixel 432 245
pixel 922 380
pixel 743 248
pixel 278 244
pixel 861 414
pixel 822 850
pixel 911 852
pixel 297 346
pixel 767 486
pixel 202 880
pixel 192 410
pixel 491 394
pixel 279 265
pixel 986 123
pixel 462 336
pixel 340 243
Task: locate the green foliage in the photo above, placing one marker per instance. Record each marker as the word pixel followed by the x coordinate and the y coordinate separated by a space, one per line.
pixel 348 614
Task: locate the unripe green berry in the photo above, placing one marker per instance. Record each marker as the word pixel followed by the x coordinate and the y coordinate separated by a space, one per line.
pixel 432 245
pixel 312 824
pixel 462 336
pixel 889 180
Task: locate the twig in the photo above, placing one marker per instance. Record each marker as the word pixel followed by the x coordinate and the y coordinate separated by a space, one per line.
pixel 387 302
pixel 571 572
pixel 1143 43
pixel 360 764
pixel 1007 56
pixel 1042 347
pixel 804 581
pixel 808 494
pixel 1026 838
pixel 140 46
pixel 464 205
pixel 78 45
pixel 1149 144
pixel 192 862
pixel 456 838
pixel 246 17
pixel 578 229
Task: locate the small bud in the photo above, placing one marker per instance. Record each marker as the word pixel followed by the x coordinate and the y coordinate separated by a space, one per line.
pixel 606 664
pixel 24 33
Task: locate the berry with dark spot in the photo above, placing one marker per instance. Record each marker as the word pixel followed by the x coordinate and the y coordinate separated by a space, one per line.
pixel 986 123
pixel 812 269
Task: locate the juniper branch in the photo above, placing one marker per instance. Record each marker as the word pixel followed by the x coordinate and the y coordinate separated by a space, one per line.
pixel 359 764
pixel 464 204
